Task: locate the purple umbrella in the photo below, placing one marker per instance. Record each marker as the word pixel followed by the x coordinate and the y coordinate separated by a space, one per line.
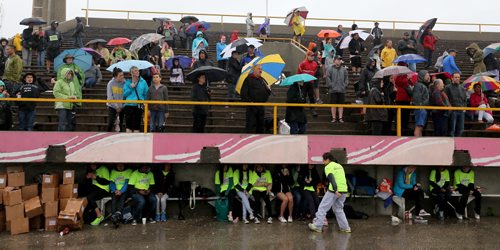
pixel 198 26
pixel 184 61
pixel 96 55
pixel 264 25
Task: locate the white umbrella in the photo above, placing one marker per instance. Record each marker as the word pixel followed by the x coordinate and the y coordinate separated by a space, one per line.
pixel 238 46
pixel 302 13
pixel 392 70
pixel 344 44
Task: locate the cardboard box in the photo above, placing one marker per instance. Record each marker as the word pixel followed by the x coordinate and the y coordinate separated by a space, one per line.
pixel 3 221
pixel 15 179
pixel 1 196
pixel 62 204
pixel 69 177
pixel 33 207
pixel 14 212
pixel 51 209
pixel 3 180
pixel 70 220
pixel 15 169
pixel 51 224
pixel 19 226
pixel 50 194
pixel 36 223
pixel 50 180
pixel 76 206
pixel 29 192
pixel 12 196
pixel 68 191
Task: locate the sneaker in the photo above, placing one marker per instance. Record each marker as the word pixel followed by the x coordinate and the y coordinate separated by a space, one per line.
pixel 333 120
pixel 230 217
pixel 314 228
pixel 347 231
pixel 270 220
pixel 341 120
pixel 319 101
pixel 134 223
pixel 441 215
pixel 420 220
pixel 314 113
pixel 97 221
pixel 459 216
pixel 325 223
pixel 252 217
pixel 256 221
pixel 151 221
pixel 281 219
pixel 163 217
pixel 290 219
pixel 423 213
pixel 477 216
pixel 158 217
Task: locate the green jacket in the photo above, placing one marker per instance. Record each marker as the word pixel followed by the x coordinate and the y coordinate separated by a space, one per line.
pixel 64 89
pixel 227 183
pixel 13 69
pixel 78 76
pixel 462 178
pixel 443 182
pixel 335 173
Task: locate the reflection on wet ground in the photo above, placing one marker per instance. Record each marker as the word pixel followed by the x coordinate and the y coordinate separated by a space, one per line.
pixel 205 233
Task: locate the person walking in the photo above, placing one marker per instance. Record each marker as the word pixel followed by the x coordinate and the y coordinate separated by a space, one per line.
pixel 476 55
pixel 377 34
pixel 334 197
pixel 27 110
pixel 458 98
pixel 250 25
pixel 78 32
pixel 449 64
pixel 337 79
pixel 255 90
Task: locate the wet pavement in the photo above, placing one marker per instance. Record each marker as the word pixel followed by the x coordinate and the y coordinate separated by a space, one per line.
pixel 205 233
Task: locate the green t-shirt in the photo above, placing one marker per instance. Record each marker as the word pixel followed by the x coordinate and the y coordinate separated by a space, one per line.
pixel 265 178
pixel 228 175
pixel 463 178
pixel 244 179
pixel 102 172
pixel 141 181
pixel 445 176
pixel 309 188
pixel 338 174
pixel 119 177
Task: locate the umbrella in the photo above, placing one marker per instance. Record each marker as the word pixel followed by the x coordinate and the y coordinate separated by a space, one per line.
pixel 363 35
pixel 272 67
pixel 162 19
pixel 188 19
pixel 442 75
pixel 331 34
pixel 32 21
pixel 302 13
pixel 126 65
pixel 241 45
pixel 95 41
pixel 492 48
pixel 392 70
pixel 297 78
pixel 184 61
pixel 264 25
pixel 144 40
pixel 193 28
pixel 96 55
pixel 374 49
pixel 428 24
pixel 213 74
pixel 119 41
pixel 487 83
pixel 82 59
pixel 410 58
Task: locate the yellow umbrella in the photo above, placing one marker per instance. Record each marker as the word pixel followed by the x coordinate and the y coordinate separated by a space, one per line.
pixel 272 67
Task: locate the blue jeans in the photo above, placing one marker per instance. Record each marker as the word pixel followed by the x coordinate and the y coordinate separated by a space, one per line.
pixel 156 120
pixel 140 202
pixel 456 123
pixel 90 82
pixel 297 128
pixel 26 119
pixel 41 58
pixel 298 209
pixel 65 120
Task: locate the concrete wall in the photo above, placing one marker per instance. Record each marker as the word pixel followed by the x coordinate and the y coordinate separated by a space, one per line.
pixel 51 10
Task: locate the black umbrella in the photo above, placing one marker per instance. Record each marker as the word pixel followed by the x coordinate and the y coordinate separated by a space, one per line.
pixel 32 21
pixel 213 74
pixel 187 19
pixel 428 24
pixel 162 19
pixel 374 49
pixel 95 41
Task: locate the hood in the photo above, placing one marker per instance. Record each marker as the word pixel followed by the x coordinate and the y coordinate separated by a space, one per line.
pixel 249 15
pixel 2 84
pixel 369 62
pixel 17 35
pixel 65 72
pixel 421 75
pixel 445 54
pixel 473 46
pixel 204 52
pixel 199 33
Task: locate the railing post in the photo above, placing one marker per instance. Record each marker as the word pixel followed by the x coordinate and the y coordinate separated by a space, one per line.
pixel 480 29
pixel 393 27
pixel 128 16
pixel 398 122
pixel 87 14
pixel 146 118
pixel 275 120
pixel 222 22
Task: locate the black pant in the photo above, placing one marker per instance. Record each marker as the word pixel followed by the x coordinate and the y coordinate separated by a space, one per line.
pixel 112 118
pixel 7 113
pixel 405 114
pixel 428 57
pixel 417 196
pixel 309 92
pixel 440 124
pixel 117 202
pixel 387 126
pixel 222 64
pixel 258 195
pixel 199 122
pixel 96 194
pixel 311 201
pixel 377 41
pixel 377 127
pixel 465 191
pixel 442 198
pixel 255 120
pixel 230 199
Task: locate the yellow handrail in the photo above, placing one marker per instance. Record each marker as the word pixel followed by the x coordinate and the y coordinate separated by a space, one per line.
pixel 245 104
pixel 393 22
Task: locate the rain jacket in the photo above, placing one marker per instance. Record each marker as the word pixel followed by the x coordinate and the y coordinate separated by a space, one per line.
pixel 199 39
pixel 376 97
pixel 219 48
pixel 54 38
pixel 13 68
pixel 298 27
pixel 78 76
pixel 402 182
pixel 233 70
pixel 308 67
pixel 105 54
pixel 430 42
pixel 119 54
pixel 476 54
pixel 402 85
pixel 17 42
pixel 388 55
pixel 404 49
pixel 295 94
pixel 355 45
pixel 440 61
pixel 249 22
pixel 366 77
pixel 420 93
pixel 327 48
pixel 131 94
pixel 64 89
pixel 254 90
pixel 114 92
pixel 200 94
pixel 28 39
pixel 450 66
pixel 475 100
pixel 205 62
pixel 490 62
pixel 337 79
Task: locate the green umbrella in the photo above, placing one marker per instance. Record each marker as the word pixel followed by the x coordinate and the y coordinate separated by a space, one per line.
pixel 297 78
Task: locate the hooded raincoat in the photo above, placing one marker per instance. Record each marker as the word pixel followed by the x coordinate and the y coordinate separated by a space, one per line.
pixel 65 89
pixel 476 54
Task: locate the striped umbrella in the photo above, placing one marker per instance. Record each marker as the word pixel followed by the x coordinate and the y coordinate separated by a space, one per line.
pixel 492 48
pixel 487 83
pixel 272 67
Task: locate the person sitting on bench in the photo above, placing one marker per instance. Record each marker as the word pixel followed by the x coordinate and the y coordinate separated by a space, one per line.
pixel 406 186
pixel 439 180
pixel 464 184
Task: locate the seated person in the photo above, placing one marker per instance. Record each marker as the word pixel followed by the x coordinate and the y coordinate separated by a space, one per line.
pixel 262 182
pixel 406 186
pixel 142 180
pixel 224 186
pixel 478 99
pixel 165 182
pixel 118 185
pixel 282 188
pixel 308 180
pixel 464 184
pixel 439 180
pixel 93 76
pixel 243 188
pixel 98 189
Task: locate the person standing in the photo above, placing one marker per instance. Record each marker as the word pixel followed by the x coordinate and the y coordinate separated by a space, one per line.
pixel 464 184
pixel 439 185
pixel 202 60
pixel 388 54
pixel 78 32
pixel 420 97
pixel 233 73
pixel 440 117
pixel 142 181
pixel 114 91
pixel 13 66
pixel 295 116
pixel 376 117
pixel 118 186
pixel 298 27
pixel 70 64
pixel 408 46
pixel 28 44
pixel 338 40
pixel 3 60
pixel 337 79
pixel 255 90
pixel 365 81
pixel 429 42
pixel 403 90
pixel 134 89
pixel 41 46
pixel 311 67
pixel 449 64
pixel 66 88
pixel 458 98
pixel 334 197
pixel 476 55
pixel 377 34
pixel 54 40
pixel 158 112
pixel 27 110
pixel 200 93
pixel 250 25
pixel 221 45
pixel 355 49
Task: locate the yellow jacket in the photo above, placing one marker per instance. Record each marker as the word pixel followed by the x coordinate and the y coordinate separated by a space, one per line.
pixel 298 27
pixel 388 55
pixel 17 42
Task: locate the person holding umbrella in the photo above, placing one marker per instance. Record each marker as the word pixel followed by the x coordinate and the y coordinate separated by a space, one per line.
pixel 479 100
pixel 295 116
pixel 200 93
pixel 134 89
pixel 355 49
pixel 221 45
pixel 41 46
pixel 78 32
pixel 119 53
pixel 298 27
pixel 376 117
pixel 255 89
pixel 66 87
pixel 250 25
pixel 476 55
pixel 233 71
pixel 28 44
pixel 429 42
pixel 54 40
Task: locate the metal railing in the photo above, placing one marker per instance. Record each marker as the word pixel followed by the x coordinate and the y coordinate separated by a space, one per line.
pixel 394 23
pixel 275 107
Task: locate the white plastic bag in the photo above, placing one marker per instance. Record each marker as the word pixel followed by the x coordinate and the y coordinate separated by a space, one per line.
pixel 117 123
pixel 284 128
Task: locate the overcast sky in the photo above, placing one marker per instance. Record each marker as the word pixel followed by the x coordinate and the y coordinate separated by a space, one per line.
pixel 445 10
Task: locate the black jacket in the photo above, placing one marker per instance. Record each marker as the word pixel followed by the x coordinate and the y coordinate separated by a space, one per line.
pixel 282 183
pixel 295 94
pixel 78 29
pixel 200 94
pixel 376 97
pixel 56 43
pixel 28 91
pixel 490 62
pixel 255 90
pixel 233 70
pixel 305 172
pixel 28 39
pixel 366 77
pixel 355 45
pixel 41 43
pixel 164 183
pixel 403 47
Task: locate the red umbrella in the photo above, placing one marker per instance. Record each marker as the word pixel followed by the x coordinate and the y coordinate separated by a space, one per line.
pixel 119 41
pixel 442 75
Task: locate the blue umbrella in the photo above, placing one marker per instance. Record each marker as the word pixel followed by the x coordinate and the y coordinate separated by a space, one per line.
pixel 264 25
pixel 126 65
pixel 410 58
pixel 297 78
pixel 81 58
pixel 184 61
pixel 193 27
